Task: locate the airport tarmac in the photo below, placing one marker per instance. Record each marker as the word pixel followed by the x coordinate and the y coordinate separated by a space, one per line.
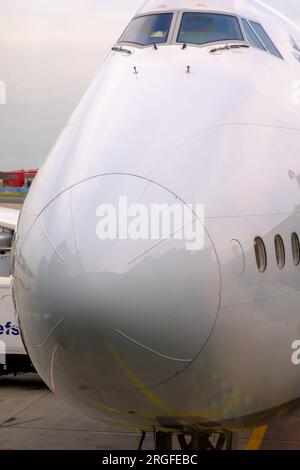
pixel 33 418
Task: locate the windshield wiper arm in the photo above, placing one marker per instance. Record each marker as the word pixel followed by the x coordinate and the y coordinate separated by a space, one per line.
pixel 237 46
pixel 121 49
pixel 228 47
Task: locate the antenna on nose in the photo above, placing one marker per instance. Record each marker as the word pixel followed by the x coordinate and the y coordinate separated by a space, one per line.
pixel 155 46
pixel 188 69
pixel 135 70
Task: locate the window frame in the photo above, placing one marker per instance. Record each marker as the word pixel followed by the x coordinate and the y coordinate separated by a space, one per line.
pixel 280 57
pixel 152 13
pixel 263 49
pixel 295 237
pixel 207 44
pixel 279 243
pixel 265 255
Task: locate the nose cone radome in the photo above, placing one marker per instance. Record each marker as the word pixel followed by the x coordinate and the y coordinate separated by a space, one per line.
pixel 115 314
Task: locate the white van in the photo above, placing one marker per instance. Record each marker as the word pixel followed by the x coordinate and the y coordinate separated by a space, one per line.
pixel 13 357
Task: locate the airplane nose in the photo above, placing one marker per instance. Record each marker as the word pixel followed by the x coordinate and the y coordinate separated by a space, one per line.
pixel 112 296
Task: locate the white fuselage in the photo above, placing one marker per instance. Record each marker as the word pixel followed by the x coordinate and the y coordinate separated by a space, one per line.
pixel 151 334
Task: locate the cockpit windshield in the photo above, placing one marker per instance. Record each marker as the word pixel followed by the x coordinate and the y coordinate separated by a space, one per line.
pixel 202 28
pixel 148 29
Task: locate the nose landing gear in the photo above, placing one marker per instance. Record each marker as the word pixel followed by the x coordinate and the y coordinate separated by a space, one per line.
pixel 201 441
pixel 192 441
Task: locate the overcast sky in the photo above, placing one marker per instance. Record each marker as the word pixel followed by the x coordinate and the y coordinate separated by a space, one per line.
pixel 50 50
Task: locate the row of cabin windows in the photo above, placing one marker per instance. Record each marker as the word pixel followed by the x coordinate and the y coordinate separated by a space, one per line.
pixel 261 252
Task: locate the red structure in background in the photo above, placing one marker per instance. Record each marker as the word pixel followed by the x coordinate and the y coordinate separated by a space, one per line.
pixel 17 179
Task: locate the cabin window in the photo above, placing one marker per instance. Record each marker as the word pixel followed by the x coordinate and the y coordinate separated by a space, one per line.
pixel 148 29
pixel 202 28
pixel 296 249
pixel 252 37
pixel 260 254
pixel 280 252
pixel 265 39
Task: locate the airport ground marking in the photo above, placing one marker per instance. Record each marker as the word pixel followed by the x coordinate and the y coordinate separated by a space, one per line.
pixel 152 397
pixel 257 438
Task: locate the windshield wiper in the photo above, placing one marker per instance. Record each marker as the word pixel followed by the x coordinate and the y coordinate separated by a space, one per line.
pixel 121 49
pixel 228 47
pixel 237 46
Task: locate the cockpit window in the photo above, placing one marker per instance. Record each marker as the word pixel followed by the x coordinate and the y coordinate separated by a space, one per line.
pixel 265 39
pixel 252 37
pixel 148 29
pixel 295 45
pixel 296 49
pixel 203 28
